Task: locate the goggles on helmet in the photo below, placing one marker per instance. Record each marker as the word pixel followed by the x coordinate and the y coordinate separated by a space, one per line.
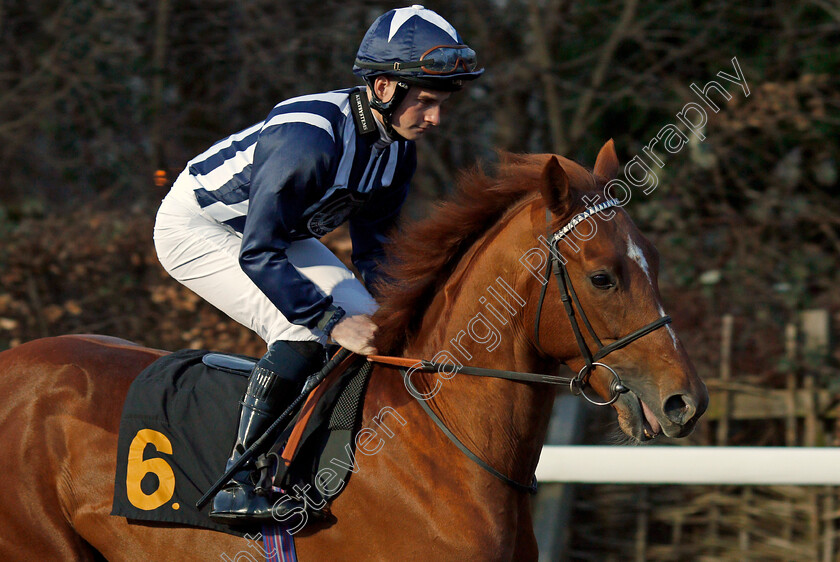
pixel 445 59
pixel 440 60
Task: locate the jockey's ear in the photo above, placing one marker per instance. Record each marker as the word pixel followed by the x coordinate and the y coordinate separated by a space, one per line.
pixel 554 186
pixel 606 164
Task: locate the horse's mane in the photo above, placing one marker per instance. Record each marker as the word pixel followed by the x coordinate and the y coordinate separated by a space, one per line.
pixel 423 254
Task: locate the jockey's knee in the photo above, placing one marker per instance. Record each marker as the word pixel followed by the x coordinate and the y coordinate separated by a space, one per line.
pixel 293 360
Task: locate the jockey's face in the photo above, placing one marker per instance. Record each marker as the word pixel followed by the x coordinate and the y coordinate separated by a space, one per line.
pixel 418 112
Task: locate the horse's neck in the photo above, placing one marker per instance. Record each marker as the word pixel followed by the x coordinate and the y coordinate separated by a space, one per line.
pixel 503 421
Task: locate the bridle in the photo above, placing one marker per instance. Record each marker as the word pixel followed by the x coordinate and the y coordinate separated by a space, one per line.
pixel 555 265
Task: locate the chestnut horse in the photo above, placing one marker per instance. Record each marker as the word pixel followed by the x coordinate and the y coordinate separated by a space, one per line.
pixel 463 289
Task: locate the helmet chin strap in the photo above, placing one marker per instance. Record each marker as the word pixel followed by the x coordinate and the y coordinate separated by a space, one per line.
pixel 387 109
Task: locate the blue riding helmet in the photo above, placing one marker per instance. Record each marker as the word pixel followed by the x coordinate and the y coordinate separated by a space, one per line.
pixel 418 47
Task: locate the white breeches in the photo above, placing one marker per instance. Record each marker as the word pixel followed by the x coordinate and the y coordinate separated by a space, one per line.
pixel 203 255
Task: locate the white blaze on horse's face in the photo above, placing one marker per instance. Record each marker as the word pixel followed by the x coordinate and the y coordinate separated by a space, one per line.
pixel 635 253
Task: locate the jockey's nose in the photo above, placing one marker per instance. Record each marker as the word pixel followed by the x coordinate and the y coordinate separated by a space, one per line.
pixel 433 116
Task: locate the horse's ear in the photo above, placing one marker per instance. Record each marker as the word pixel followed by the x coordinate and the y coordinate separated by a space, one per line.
pixel 606 164
pixel 555 186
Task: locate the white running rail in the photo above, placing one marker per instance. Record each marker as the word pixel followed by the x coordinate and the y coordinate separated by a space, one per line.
pixel 802 466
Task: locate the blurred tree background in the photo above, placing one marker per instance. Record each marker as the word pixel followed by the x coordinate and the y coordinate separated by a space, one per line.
pixel 95 95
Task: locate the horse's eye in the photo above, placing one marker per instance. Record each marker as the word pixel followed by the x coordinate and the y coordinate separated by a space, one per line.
pixel 602 281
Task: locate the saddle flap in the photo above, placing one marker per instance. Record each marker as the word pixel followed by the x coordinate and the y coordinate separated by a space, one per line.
pixel 325 428
pixel 306 412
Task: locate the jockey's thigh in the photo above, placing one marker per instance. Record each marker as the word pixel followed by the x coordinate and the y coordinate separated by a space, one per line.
pixel 203 255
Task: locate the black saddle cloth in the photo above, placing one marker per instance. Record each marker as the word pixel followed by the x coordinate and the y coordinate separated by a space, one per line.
pixel 177 430
pixel 178 427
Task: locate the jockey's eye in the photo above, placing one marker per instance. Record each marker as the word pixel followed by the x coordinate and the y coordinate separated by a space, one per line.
pixel 602 281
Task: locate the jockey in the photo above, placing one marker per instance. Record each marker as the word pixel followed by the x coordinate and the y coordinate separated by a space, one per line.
pixel 240 226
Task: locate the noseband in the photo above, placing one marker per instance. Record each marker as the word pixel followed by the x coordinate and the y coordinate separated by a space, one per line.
pixel 556 265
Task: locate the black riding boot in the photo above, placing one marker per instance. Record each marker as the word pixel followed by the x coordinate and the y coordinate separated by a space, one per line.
pixel 273 384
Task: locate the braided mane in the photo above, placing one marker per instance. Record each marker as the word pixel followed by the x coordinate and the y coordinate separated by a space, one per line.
pixel 424 253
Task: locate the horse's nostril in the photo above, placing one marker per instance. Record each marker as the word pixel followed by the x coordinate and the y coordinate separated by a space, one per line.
pixel 679 408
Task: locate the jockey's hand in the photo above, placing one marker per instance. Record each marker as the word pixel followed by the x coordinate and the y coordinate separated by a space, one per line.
pixel 356 334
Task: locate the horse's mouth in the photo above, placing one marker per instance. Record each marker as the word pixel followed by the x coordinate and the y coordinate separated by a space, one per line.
pixel 650 425
pixel 637 419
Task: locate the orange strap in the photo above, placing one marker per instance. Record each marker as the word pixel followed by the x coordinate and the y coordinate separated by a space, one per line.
pixel 395 361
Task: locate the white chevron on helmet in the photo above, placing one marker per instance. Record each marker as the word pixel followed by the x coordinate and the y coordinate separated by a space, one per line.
pixel 402 15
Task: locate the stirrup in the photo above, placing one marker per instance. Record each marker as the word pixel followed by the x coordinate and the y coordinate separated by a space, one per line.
pixel 237 503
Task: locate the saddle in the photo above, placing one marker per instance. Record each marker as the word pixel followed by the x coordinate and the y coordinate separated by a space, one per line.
pixel 178 426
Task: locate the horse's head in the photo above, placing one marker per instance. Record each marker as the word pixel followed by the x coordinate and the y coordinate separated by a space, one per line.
pixel 611 269
pixel 447 271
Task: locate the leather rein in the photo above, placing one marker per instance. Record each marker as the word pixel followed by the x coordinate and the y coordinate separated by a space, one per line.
pixel 555 265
